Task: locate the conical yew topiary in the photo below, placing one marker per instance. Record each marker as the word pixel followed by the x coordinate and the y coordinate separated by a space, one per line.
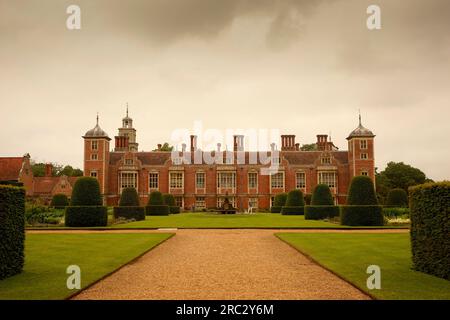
pixel 362 192
pixel 322 196
pixel 295 199
pixel 129 198
pixel 86 192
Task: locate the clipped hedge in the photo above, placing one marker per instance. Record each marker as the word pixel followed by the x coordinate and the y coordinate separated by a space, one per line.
pixel 362 215
pixel 86 192
pixel 169 199
pixel 430 228
pixel 130 212
pixel 157 210
pixel 314 212
pixel 155 198
pixel 294 210
pixel 278 202
pixel 174 209
pixel 275 209
pixel 12 230
pixel 322 196
pixel 129 198
pixel 86 216
pixel 322 204
pixel 295 199
pixel 397 198
pixel 59 201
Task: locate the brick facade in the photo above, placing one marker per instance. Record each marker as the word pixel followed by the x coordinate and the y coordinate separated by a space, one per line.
pixel 205 185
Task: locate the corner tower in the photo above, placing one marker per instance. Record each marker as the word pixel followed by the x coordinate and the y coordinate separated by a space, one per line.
pixel 126 140
pixel 361 157
pixel 96 156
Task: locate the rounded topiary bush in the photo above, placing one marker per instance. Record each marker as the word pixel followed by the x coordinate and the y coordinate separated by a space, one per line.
pixel 278 202
pixel 86 208
pixel 169 199
pixel 156 205
pixel 362 192
pixel 129 198
pixel 86 192
pixel 322 196
pixel 362 207
pixel 59 201
pixel 295 203
pixel 295 199
pixel 397 198
pixel 322 204
pixel 156 198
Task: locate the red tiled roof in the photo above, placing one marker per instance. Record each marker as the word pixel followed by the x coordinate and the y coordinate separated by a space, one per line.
pixel 10 168
pixel 293 157
pixel 44 184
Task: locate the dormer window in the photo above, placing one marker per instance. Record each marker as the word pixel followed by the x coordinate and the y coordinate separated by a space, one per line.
pixel 326 160
pixel 129 162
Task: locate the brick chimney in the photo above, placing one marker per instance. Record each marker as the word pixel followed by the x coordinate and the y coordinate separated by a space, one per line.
pixel 48 169
pixel 322 140
pixel 121 143
pixel 238 143
pixel 288 142
pixel 193 143
pixel 159 146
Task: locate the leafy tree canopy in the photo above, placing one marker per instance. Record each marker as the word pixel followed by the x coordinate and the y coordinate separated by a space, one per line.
pixel 398 175
pixel 308 147
pixel 165 147
pixel 57 170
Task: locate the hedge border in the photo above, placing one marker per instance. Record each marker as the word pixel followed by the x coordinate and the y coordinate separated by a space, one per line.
pixel 319 212
pixel 362 215
pixel 293 210
pixel 12 230
pixel 129 212
pixel 157 210
pixel 86 216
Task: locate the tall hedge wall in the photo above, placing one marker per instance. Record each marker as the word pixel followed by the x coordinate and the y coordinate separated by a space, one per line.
pixel 430 228
pixel 130 212
pixel 59 201
pixel 397 198
pixel 12 230
pixel 278 202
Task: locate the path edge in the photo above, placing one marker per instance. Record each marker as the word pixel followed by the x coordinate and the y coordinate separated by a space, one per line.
pixel 171 235
pixel 310 258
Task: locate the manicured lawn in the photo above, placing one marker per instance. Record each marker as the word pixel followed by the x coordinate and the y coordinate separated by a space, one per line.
pixel 213 220
pixel 48 255
pixel 349 255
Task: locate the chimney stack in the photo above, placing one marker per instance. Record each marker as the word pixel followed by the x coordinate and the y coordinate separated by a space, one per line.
pixel 297 146
pixel 238 143
pixel 159 146
pixel 288 142
pixel 48 169
pixel 218 147
pixel 322 141
pixel 193 143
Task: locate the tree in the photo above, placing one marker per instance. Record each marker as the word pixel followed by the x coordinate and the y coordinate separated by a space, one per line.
pixel 59 201
pixel 165 147
pixel 295 199
pixel 398 175
pixel 38 169
pixel 309 147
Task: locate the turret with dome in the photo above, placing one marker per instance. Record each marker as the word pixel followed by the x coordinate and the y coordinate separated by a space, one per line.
pixel 96 132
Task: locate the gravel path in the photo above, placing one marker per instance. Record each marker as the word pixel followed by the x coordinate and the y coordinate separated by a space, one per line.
pixel 222 264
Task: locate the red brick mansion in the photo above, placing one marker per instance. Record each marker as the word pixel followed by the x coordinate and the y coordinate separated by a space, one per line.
pixel 204 185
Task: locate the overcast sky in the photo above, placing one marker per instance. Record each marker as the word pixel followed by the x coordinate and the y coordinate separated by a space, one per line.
pixel 304 67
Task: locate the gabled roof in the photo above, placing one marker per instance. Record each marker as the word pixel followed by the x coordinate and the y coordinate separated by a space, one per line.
pixel 10 168
pixel 309 157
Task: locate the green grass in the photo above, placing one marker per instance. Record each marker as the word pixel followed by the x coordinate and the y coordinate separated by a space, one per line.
pixel 349 255
pixel 214 220
pixel 48 255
